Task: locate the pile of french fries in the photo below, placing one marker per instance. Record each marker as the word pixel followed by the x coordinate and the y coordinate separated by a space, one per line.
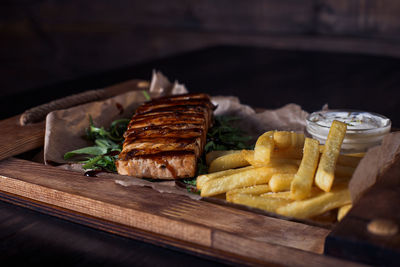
pixel 286 173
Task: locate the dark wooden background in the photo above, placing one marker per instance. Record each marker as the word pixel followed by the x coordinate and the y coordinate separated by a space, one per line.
pixel 312 52
pixel 45 42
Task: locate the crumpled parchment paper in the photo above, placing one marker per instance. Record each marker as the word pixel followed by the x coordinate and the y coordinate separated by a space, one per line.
pixel 65 129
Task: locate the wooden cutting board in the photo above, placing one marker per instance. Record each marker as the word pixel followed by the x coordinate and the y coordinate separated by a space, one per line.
pixel 190 224
pixel 220 231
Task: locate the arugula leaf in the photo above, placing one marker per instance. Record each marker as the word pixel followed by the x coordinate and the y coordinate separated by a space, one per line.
pixel 107 145
pixel 91 150
pixel 147 95
pixel 223 136
pixel 191 185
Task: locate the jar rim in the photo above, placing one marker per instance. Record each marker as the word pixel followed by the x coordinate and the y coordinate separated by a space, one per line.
pixel 387 123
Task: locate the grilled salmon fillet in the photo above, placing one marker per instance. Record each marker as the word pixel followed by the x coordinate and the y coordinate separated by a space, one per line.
pixel 165 137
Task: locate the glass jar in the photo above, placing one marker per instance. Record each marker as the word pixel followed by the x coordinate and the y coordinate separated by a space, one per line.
pixel 364 129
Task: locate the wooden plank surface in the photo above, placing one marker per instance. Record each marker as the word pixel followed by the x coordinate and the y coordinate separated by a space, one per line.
pixel 169 215
pixel 352 238
pixel 16 139
pixel 149 210
pixel 30 237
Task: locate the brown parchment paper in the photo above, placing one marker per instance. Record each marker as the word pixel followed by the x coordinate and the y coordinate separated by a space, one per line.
pixel 65 128
pixel 375 162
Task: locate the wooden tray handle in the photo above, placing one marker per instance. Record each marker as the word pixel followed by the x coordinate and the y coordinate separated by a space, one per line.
pixel 39 113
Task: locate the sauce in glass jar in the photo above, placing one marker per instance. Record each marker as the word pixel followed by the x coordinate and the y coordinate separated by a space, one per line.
pixel 364 129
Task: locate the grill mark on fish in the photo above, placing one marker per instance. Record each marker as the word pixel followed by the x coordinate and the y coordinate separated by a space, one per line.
pixel 165 137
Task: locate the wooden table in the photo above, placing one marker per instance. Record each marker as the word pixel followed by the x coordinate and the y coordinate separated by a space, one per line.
pixel 260 77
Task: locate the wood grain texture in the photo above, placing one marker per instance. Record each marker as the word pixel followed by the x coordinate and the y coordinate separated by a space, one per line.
pixel 70 39
pixel 173 216
pixel 351 239
pixel 147 209
pixel 16 139
pixel 29 237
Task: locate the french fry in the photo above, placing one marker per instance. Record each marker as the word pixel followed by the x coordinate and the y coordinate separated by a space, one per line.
pixel 284 195
pixel 304 178
pixel 350 160
pixel 326 167
pixel 287 194
pixel 210 156
pixel 328 217
pixel 288 153
pixel 268 204
pixel 282 167
pixel 298 140
pixel 281 182
pixel 202 179
pixel 285 161
pixel 229 161
pixel 264 147
pixel 322 202
pixel 343 211
pixel 252 190
pixel 253 176
pixel 248 155
pixel 283 139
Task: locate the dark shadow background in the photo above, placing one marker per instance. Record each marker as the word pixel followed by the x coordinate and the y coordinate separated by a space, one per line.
pixel 312 52
pixel 44 42
pixel 267 52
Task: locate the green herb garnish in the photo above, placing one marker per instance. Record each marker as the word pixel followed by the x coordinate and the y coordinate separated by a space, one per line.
pixel 223 136
pixel 107 146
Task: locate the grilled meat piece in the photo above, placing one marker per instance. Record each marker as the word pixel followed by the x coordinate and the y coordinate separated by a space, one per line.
pixel 165 137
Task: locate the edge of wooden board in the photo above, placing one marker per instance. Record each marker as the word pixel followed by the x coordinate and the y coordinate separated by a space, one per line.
pixel 169 216
pixel 17 139
pixel 352 239
pixel 122 230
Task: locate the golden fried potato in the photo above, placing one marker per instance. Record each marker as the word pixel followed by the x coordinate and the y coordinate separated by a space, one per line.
pixel 248 155
pixel 304 178
pixel 264 148
pixel 252 190
pixel 326 167
pixel 343 211
pixel 250 177
pixel 210 156
pixel 202 179
pixel 268 204
pixel 284 140
pixel 288 153
pixel 284 195
pixel 318 204
pixel 229 161
pixel 281 182
pixel 349 160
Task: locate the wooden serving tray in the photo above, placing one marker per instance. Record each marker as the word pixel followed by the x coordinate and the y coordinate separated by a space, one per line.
pixel 224 232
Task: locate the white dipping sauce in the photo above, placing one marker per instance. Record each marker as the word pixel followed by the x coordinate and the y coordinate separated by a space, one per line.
pixel 364 129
